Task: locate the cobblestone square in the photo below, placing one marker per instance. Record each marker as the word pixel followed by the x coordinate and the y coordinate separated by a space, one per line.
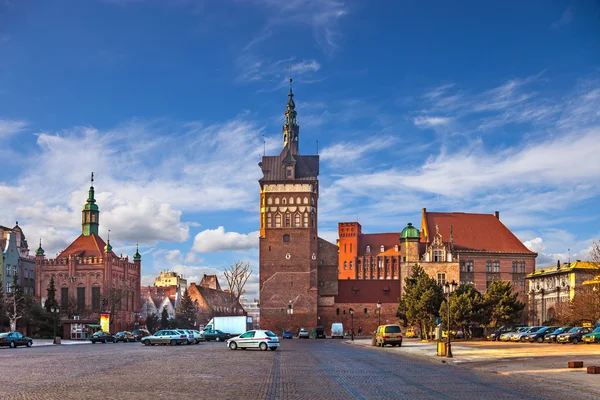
pixel 300 369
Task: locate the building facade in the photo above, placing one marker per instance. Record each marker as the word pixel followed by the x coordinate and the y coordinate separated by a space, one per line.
pixel 15 260
pixel 212 301
pixel 306 281
pixel 90 280
pixel 551 289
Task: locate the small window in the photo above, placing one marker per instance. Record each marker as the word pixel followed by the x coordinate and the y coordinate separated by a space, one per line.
pixel 276 200
pixel 269 201
pixel 289 174
pixel 297 221
pixel 368 249
pixel 337 311
pixel 305 200
pixel 298 200
pixel 283 201
pixel 320 244
pixel 366 310
pixel 396 248
pixel 382 248
pixel 350 265
pixel 286 238
pixel 291 200
pixel 441 278
pixel 345 265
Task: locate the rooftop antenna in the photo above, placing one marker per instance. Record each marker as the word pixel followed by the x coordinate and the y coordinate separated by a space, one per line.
pixel 109 236
pixel 569 250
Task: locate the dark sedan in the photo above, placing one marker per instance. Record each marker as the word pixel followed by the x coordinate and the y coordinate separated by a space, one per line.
pixel 551 337
pixel 124 337
pixel 217 335
pixel 138 334
pixel 573 336
pixel 14 339
pixel 538 336
pixel 103 337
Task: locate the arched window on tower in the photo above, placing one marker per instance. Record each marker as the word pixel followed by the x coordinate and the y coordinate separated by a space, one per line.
pixel 276 200
pixel 291 200
pixel 269 201
pixel 269 220
pixel 278 221
pixel 298 200
pixel 287 220
pixel 306 200
pixel 297 221
pixel 306 220
pixel 283 201
pixel 286 238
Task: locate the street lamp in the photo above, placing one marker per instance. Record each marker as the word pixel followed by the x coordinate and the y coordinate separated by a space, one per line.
pixel 55 311
pixel 352 324
pixel 379 310
pixel 449 288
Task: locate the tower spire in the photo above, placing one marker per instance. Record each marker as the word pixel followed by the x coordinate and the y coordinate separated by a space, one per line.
pixel 90 217
pixel 290 127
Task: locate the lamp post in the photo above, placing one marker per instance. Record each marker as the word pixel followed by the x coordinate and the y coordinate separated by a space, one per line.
pixel 379 311
pixel 290 312
pixel 449 288
pixel 55 311
pixel 352 324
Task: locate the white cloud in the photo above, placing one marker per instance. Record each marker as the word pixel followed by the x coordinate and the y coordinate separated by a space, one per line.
pixel 213 240
pixel 429 122
pixel 10 127
pixel 565 19
pixel 276 73
pixel 173 255
pixel 535 244
pixel 343 153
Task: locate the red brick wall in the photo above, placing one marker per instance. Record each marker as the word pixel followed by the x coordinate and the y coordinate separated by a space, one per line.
pixel 368 321
pixel 348 233
pixel 288 277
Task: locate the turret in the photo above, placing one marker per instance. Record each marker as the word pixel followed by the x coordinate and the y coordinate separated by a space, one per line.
pixel 90 217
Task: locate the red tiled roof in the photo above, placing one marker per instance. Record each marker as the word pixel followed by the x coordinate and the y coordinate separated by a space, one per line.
pixel 85 246
pixel 476 232
pixel 375 240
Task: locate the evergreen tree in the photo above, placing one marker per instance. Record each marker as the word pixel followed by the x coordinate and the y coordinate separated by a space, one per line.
pixel 51 299
pixel 421 300
pixel 186 312
pixel 151 322
pixel 501 304
pixel 467 307
pixel 164 319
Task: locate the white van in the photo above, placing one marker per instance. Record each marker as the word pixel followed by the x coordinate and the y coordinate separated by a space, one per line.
pixel 337 330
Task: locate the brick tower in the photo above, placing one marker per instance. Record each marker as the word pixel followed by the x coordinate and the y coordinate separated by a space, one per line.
pixel 288 247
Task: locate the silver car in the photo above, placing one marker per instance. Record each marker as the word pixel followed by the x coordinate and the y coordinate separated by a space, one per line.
pixel 260 339
pixel 189 335
pixel 198 336
pixel 166 336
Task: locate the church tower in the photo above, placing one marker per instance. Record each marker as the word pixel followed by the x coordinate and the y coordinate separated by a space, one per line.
pixel 288 248
pixel 90 214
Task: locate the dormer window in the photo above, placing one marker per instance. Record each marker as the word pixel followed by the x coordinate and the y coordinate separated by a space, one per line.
pixel 368 249
pixel 396 248
pixel 382 249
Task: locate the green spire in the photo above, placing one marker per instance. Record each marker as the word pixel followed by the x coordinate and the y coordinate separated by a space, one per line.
pixel 137 256
pixel 90 214
pixel 40 251
pixel 108 247
pixel 410 233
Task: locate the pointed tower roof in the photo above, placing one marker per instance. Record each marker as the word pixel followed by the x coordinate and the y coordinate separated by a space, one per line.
pixel 40 251
pixel 137 256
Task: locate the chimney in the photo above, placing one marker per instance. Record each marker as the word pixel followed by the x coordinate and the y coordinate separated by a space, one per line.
pixel 424 210
pixel 558 264
pixel 497 214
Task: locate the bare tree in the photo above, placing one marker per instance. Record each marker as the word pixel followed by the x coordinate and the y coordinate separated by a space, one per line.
pixel 595 253
pixel 14 311
pixel 237 275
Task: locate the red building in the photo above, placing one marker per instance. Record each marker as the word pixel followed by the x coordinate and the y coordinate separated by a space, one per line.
pixel 90 280
pixel 306 281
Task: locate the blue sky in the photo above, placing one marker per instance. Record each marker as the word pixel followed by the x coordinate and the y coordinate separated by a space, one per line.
pixel 473 107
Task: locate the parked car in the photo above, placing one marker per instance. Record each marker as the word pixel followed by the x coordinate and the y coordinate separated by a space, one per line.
pixel 337 330
pixel 551 337
pixel 198 336
pixel 388 334
pixel 166 336
pixel 505 337
pixel 411 332
pixel 217 335
pixel 320 333
pixel 138 334
pixel 592 337
pixel 495 336
pixel 303 334
pixel 573 336
pixel 14 339
pixel 189 336
pixel 124 337
pixel 522 336
pixel 260 339
pixel 287 335
pixel 102 337
pixel 538 336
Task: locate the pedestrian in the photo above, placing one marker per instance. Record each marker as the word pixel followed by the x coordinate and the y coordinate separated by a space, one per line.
pixel 359 330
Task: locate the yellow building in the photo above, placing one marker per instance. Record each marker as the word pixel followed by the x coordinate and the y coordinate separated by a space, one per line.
pixel 549 288
pixel 170 278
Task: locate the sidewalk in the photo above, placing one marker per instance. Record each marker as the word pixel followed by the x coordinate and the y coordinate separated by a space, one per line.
pixel 541 362
pixel 49 342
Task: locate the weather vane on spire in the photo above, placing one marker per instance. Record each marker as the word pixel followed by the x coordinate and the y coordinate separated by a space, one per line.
pixel 92 178
pixel 290 68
